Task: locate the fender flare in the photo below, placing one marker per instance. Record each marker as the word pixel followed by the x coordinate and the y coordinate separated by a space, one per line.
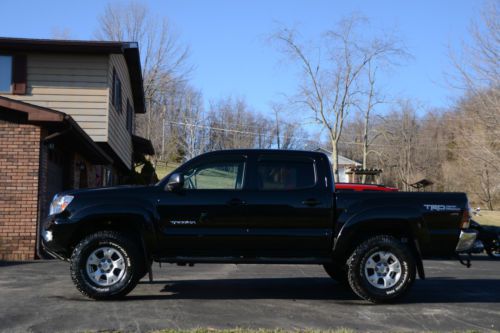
pixel 402 220
pixel 129 215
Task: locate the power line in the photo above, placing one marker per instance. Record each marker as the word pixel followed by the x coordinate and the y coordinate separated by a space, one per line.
pixel 256 134
pixel 420 140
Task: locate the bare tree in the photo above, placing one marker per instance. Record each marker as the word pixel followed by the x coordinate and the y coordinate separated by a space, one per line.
pixel 332 81
pixel 487 189
pixel 61 33
pixel 399 152
pixel 477 114
pixel 292 136
pixel 277 109
pixel 479 75
pixel 163 57
pixel 372 100
pixel 193 139
pixel 232 124
pixel 478 66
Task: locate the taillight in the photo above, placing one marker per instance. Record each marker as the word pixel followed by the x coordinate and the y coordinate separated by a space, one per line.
pixel 466 216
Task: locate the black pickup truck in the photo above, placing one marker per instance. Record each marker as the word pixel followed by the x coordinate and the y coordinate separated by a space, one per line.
pixel 254 206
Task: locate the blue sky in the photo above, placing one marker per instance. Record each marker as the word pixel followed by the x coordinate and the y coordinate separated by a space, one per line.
pixel 232 56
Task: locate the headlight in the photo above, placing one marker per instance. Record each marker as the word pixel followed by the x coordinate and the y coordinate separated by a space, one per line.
pixel 47 236
pixel 59 204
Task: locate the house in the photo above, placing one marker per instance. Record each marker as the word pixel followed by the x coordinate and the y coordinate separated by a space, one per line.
pixel 351 171
pixel 67 112
pixel 344 165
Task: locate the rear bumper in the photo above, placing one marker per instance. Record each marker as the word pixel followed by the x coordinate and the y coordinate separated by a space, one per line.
pixel 466 240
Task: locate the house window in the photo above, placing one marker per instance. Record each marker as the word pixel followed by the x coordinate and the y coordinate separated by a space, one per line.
pixel 130 117
pixel 5 73
pixel 116 94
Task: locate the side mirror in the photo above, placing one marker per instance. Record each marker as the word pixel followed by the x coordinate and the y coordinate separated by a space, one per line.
pixel 175 182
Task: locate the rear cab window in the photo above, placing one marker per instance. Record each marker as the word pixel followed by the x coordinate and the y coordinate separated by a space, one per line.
pixel 285 174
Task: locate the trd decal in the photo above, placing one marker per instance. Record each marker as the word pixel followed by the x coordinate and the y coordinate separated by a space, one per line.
pixel 441 208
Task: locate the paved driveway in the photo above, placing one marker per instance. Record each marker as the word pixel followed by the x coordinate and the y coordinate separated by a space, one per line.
pixel 40 297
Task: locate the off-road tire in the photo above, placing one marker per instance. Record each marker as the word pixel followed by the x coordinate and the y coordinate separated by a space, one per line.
pixel 337 272
pixel 134 265
pixel 493 254
pixel 356 269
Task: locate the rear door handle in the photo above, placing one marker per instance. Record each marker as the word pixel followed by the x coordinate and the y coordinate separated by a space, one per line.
pixel 311 202
pixel 236 202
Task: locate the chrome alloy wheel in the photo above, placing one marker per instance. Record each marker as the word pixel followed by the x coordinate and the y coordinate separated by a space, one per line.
pixel 495 252
pixel 382 270
pixel 105 266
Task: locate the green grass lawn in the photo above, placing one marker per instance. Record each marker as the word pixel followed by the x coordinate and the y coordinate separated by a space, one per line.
pixel 164 169
pixel 488 217
pixel 242 330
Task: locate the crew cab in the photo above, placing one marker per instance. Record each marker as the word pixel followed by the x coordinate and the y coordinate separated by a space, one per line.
pixel 254 206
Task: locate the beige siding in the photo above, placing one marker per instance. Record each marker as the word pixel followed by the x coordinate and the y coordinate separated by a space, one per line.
pixel 79 85
pixel 119 137
pixel 74 84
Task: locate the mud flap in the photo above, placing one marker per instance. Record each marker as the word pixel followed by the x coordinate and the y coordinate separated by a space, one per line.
pixel 418 260
pixel 150 271
pixel 148 260
pixel 465 261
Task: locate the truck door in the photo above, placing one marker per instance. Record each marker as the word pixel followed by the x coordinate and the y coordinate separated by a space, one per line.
pixel 208 215
pixel 290 211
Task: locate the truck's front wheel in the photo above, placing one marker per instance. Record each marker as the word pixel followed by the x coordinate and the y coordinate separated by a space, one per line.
pixel 106 265
pixel 336 272
pixel 381 269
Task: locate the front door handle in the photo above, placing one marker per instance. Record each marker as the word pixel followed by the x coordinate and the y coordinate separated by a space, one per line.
pixel 236 202
pixel 204 217
pixel 311 202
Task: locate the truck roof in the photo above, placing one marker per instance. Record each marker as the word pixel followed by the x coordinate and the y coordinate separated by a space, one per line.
pixel 265 151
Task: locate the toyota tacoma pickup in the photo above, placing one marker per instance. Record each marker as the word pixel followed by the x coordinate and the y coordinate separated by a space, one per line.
pixel 254 206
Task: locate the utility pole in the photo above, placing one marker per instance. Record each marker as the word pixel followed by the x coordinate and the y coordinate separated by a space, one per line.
pixel 163 133
pixel 276 111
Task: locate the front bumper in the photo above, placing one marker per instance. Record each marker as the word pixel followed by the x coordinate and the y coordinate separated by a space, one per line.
pixel 56 235
pixel 466 240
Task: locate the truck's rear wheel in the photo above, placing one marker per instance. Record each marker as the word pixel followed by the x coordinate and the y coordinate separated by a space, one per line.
pixel 381 269
pixel 494 253
pixel 106 265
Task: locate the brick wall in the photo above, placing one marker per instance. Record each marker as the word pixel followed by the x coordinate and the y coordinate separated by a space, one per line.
pixel 19 167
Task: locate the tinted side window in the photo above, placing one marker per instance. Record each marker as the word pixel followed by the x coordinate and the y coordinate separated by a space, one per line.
pixel 285 175
pixel 130 118
pixel 215 176
pixel 116 95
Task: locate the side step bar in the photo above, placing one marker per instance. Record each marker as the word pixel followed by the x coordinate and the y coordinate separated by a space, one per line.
pixel 241 260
